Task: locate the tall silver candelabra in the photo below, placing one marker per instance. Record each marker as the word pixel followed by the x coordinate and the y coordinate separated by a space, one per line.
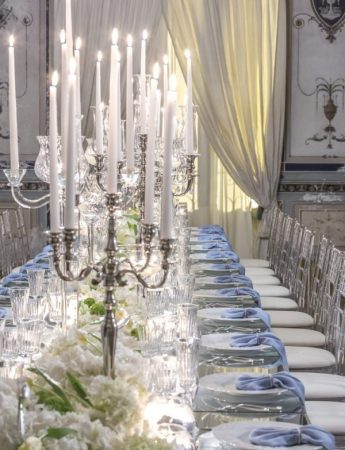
pixel 112 271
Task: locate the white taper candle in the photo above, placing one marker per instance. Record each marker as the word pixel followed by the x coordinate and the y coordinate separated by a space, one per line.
pixel 143 83
pixel 113 108
pixel 166 228
pixel 53 157
pixel 150 153
pixel 12 103
pixel 71 153
pixel 189 117
pixel 64 99
pixel 99 109
pixel 129 106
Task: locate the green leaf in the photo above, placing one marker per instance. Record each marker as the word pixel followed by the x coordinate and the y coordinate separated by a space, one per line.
pixel 79 388
pixel 54 384
pixel 58 433
pixel 96 336
pixel 89 301
pixel 53 401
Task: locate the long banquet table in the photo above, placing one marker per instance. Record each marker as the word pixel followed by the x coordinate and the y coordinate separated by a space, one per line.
pixel 222 292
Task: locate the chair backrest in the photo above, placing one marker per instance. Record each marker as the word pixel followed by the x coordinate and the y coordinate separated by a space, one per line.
pixel 282 263
pixel 318 273
pixel 326 301
pixel 22 237
pixel 288 278
pixel 335 337
pixel 277 241
pixel 300 288
pixel 271 224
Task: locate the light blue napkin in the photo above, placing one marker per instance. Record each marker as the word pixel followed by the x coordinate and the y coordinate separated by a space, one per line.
pixel 241 279
pixel 216 237
pixel 216 245
pixel 212 227
pixel 281 437
pixel 214 254
pixel 233 266
pixel 47 249
pixel 282 380
pixel 33 265
pixel 238 292
pixel 14 277
pixel 242 313
pixel 3 313
pixel 266 338
pixel 4 291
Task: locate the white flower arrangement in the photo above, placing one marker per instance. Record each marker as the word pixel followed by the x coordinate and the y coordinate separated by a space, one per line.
pixel 72 405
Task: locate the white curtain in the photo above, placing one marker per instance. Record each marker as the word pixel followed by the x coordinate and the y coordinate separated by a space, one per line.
pixel 93 21
pixel 239 63
pixel 217 199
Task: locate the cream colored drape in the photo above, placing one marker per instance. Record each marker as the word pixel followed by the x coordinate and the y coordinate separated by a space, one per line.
pixel 239 63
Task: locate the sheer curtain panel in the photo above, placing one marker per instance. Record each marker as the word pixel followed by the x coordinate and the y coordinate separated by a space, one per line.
pixel 239 61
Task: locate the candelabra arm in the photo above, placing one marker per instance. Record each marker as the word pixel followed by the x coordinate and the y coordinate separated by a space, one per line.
pixel 190 174
pixel 14 178
pixel 68 238
pixel 26 202
pixel 166 248
pixel 148 231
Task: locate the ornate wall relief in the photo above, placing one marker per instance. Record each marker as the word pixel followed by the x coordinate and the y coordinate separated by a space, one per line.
pixel 316 114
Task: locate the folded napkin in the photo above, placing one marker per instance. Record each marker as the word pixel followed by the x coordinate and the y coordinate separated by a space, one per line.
pixel 211 227
pixel 281 437
pixel 47 249
pixel 282 380
pixel 266 338
pixel 3 291
pixel 34 265
pixel 241 279
pixel 217 238
pixel 216 245
pixel 3 313
pixel 241 313
pixel 212 231
pixel 238 292
pixel 233 266
pixel 14 277
pixel 214 254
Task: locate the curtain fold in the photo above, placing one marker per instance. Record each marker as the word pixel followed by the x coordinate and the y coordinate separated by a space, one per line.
pixel 239 64
pixel 93 21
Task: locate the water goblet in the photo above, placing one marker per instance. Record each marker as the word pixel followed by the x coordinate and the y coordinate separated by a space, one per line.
pixel 10 352
pixel 187 351
pixel 36 281
pixel 187 321
pixel 19 297
pixel 29 336
pixel 186 283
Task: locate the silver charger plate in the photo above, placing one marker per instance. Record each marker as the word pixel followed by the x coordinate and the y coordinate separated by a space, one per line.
pixel 211 283
pixel 217 392
pixel 238 436
pixel 211 321
pixel 216 349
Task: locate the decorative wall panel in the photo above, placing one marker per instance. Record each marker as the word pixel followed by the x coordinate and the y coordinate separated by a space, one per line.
pixel 27 21
pixel 316 113
pixel 324 219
